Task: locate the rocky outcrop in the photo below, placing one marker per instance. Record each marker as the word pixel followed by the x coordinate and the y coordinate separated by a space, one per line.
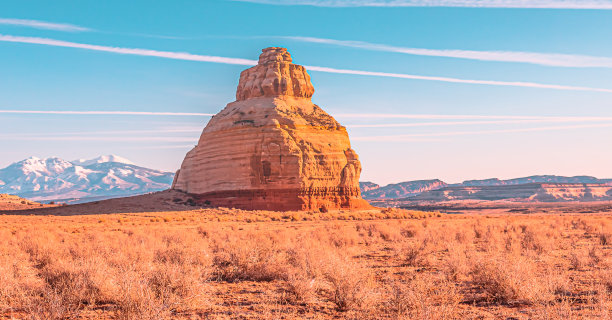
pixel 12 202
pixel 273 148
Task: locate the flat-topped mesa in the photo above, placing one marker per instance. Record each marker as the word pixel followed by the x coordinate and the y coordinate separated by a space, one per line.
pixel 274 75
pixel 272 148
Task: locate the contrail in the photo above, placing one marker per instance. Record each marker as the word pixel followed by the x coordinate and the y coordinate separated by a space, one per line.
pixel 238 61
pixel 457 123
pixel 492 119
pixel 408 137
pixel 139 52
pixel 457 80
pixel 43 25
pixel 120 113
pixel 529 4
pixel 544 59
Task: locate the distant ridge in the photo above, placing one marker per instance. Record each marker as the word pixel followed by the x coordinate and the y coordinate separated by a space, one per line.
pixel 370 190
pixel 409 189
pixel 533 179
pixel 52 179
pixel 526 192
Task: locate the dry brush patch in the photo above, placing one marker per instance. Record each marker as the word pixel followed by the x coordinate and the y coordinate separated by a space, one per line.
pixel 185 265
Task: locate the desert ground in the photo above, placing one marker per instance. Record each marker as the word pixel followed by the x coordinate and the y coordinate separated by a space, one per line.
pixel 218 263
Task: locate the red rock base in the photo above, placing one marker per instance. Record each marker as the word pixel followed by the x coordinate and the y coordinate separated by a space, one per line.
pixel 319 199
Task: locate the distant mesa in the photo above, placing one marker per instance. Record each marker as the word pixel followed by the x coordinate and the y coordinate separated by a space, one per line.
pixel 273 149
pixel 543 188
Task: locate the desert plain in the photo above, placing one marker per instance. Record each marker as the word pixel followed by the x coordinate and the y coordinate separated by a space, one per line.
pixel 187 262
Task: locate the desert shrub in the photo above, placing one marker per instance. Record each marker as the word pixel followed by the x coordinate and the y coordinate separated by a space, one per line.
pixel 349 286
pixel 51 305
pixel 177 286
pixel 304 270
pixel 604 278
pixel 605 238
pixel 531 240
pixel 19 282
pixel 510 279
pixel 72 283
pixel 409 231
pixel 577 259
pixel 414 254
pixel 456 264
pixel 338 237
pixel 135 299
pixel 300 287
pixel 560 309
pixel 257 258
pixel 422 297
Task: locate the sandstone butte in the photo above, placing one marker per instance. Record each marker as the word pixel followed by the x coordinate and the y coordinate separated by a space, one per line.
pixel 273 149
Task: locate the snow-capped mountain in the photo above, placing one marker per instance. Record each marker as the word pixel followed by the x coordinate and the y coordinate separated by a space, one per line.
pixel 102 177
pixel 102 159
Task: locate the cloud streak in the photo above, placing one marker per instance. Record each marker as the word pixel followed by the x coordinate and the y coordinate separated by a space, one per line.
pixel 482 119
pixel 100 138
pixel 43 25
pixel 128 51
pixel 131 136
pixel 238 61
pixel 529 4
pixel 545 59
pixel 458 80
pixel 412 137
pixel 460 123
pixel 112 113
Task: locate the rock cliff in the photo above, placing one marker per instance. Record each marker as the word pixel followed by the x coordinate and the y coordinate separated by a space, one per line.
pixel 273 148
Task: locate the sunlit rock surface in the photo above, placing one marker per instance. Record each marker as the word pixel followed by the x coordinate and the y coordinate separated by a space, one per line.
pixel 273 148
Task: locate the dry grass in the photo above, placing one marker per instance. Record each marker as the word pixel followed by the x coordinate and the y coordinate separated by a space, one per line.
pixel 299 266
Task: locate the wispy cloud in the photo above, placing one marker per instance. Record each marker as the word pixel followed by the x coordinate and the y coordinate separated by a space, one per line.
pixel 462 123
pixel 457 80
pixel 431 116
pixel 238 61
pixel 115 113
pixel 412 137
pixel 98 138
pixel 535 4
pixel 43 25
pixel 546 59
pixel 129 51
pixel 432 136
pixel 114 132
pixel 482 119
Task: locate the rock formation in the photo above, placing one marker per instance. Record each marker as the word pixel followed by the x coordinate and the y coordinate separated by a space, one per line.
pixel 273 148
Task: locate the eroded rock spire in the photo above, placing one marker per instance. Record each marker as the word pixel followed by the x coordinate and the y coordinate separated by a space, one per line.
pixel 273 148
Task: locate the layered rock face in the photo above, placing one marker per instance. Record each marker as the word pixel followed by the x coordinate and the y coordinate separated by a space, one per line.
pixel 536 192
pixel 272 148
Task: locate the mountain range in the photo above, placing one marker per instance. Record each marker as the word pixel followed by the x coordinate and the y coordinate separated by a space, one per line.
pixel 111 176
pixel 80 180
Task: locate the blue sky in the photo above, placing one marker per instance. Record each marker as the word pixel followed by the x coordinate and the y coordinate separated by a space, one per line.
pixel 441 89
